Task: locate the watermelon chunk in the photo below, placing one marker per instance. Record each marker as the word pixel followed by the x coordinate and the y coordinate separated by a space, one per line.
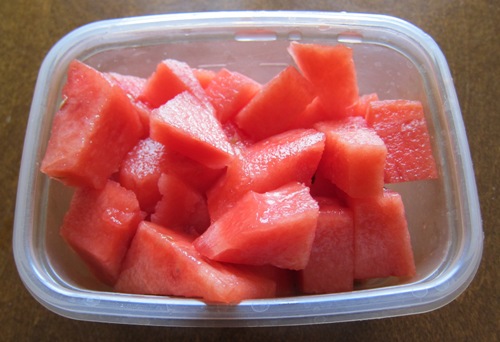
pixel 181 207
pixel 276 107
pixel 187 125
pixel 382 245
pixel 360 107
pixel 204 76
pixel 141 169
pixel 93 130
pixel 331 265
pixel 161 261
pixel 354 157
pixel 133 86
pixel 276 228
pixel 171 78
pixel 229 92
pixel 191 172
pixel 292 156
pixel 100 225
pixel 402 126
pixel 331 71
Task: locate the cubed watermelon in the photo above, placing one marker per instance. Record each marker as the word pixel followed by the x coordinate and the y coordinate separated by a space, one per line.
pixel 181 207
pixel 331 71
pixel 133 86
pixel 292 156
pixel 382 245
pixel 360 107
pixel 93 130
pixel 141 169
pixel 171 78
pixel 187 125
pixel 161 261
pixel 402 126
pixel 229 92
pixel 100 225
pixel 276 228
pixel 204 76
pixel 354 157
pixel 276 107
pixel 331 265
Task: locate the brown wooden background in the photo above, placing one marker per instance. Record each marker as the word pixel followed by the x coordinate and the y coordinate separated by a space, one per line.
pixel 467 32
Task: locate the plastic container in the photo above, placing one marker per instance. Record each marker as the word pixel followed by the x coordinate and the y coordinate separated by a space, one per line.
pixel 393 58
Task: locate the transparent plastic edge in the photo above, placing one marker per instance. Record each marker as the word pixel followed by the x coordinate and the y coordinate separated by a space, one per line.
pixel 27 171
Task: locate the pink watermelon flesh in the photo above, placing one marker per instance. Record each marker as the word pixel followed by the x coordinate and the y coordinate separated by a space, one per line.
pixel 187 125
pixel 276 107
pixel 276 228
pixel 360 107
pixel 193 173
pixel 161 261
pixel 141 169
pixel 99 226
pixel 331 71
pixel 94 129
pixel 133 86
pixel 354 157
pixel 229 92
pixel 331 265
pixel 402 126
pixel 382 245
pixel 204 76
pixel 292 156
pixel 171 78
pixel 181 208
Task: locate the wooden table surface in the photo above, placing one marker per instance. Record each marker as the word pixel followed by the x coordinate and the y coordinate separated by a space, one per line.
pixel 468 34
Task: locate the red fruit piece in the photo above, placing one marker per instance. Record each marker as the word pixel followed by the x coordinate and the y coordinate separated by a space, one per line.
pixel 276 107
pixel 229 92
pixel 354 157
pixel 161 261
pixel 292 156
pixel 171 78
pixel 402 126
pixel 93 130
pixel 141 169
pixel 331 71
pixel 382 245
pixel 331 264
pixel 181 208
pixel 276 228
pixel 204 76
pixel 99 226
pixel 133 87
pixel 187 125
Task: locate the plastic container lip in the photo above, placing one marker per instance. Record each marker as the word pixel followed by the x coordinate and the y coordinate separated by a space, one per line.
pixel 438 287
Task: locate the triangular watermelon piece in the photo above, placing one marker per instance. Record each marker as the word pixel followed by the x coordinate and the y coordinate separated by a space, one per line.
pixel 382 245
pixel 331 71
pixel 354 157
pixel 331 265
pixel 93 130
pixel 141 169
pixel 229 92
pixel 161 261
pixel 292 156
pixel 170 78
pixel 100 225
pixel 204 76
pixel 181 208
pixel 276 228
pixel 187 125
pixel 402 126
pixel 276 107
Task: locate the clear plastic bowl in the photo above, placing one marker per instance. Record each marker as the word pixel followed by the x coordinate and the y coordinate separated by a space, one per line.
pixel 393 58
